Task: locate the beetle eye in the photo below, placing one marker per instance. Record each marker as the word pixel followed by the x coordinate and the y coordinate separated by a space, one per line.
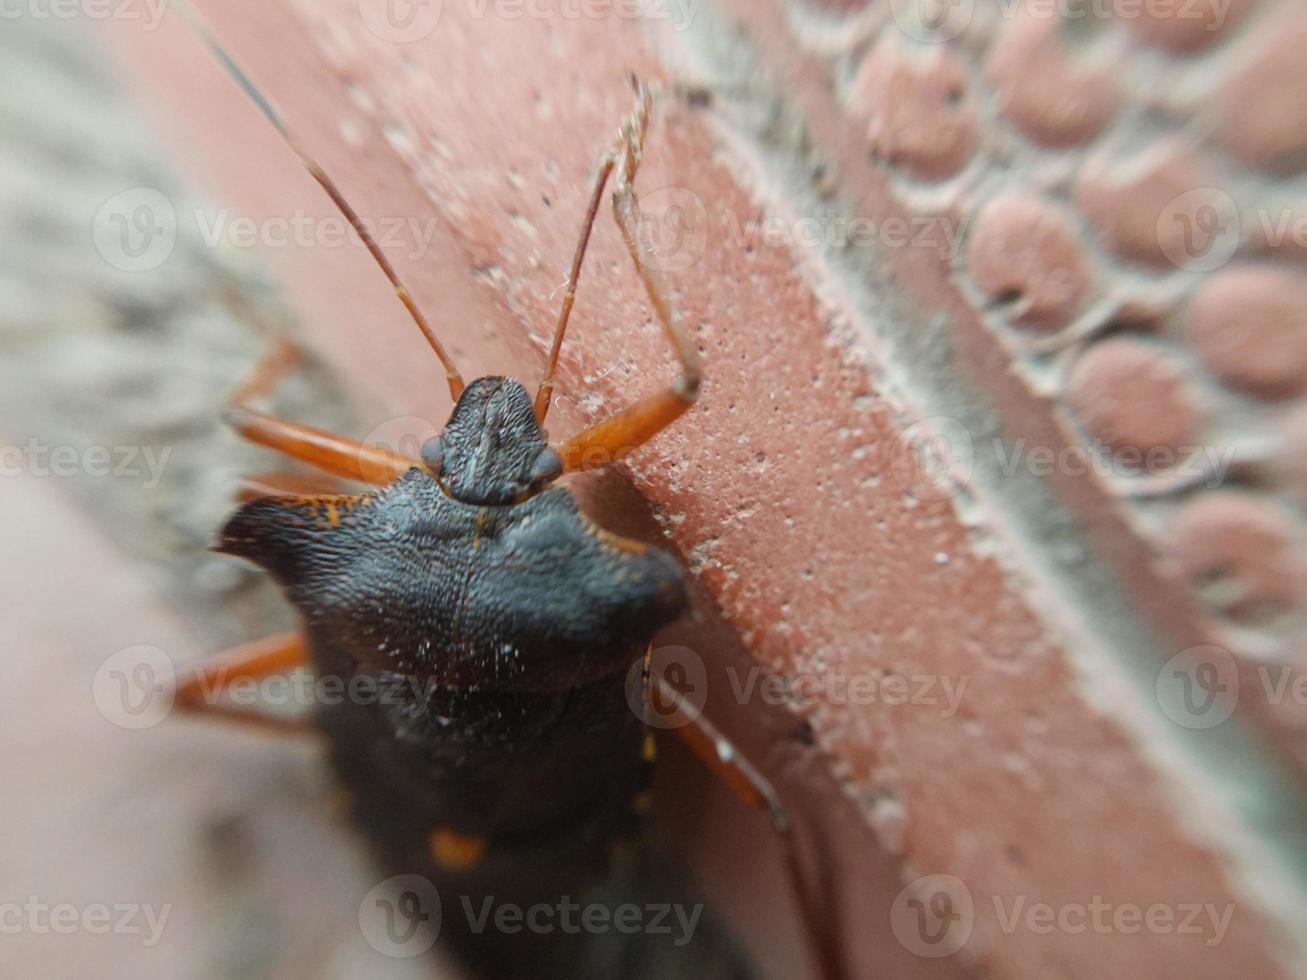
pixel 548 466
pixel 433 453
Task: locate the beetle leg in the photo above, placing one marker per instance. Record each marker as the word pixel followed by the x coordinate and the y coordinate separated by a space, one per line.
pixel 614 437
pixel 199 692
pixel 332 453
pixel 747 783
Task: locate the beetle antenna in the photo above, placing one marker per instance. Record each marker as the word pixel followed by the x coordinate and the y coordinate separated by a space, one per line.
pixel 632 131
pixel 188 14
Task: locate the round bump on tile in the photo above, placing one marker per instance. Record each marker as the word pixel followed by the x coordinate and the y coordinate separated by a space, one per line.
pixel 1263 106
pixel 1127 393
pixel 1241 556
pixel 1132 205
pixel 1024 254
pixel 916 108
pixel 1054 96
pixel 1249 324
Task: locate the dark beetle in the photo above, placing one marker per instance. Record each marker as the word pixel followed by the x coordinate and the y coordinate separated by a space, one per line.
pixel 500 636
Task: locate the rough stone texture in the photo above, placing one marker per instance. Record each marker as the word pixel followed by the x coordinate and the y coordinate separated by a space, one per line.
pixel 1053 594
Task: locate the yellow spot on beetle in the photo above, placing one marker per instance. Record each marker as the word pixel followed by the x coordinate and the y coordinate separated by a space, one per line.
pixel 455 851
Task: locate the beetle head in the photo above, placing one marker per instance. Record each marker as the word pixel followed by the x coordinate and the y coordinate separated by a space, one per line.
pixel 493 450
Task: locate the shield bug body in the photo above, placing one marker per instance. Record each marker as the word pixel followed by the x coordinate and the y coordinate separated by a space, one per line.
pixel 481 631
pixel 484 735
